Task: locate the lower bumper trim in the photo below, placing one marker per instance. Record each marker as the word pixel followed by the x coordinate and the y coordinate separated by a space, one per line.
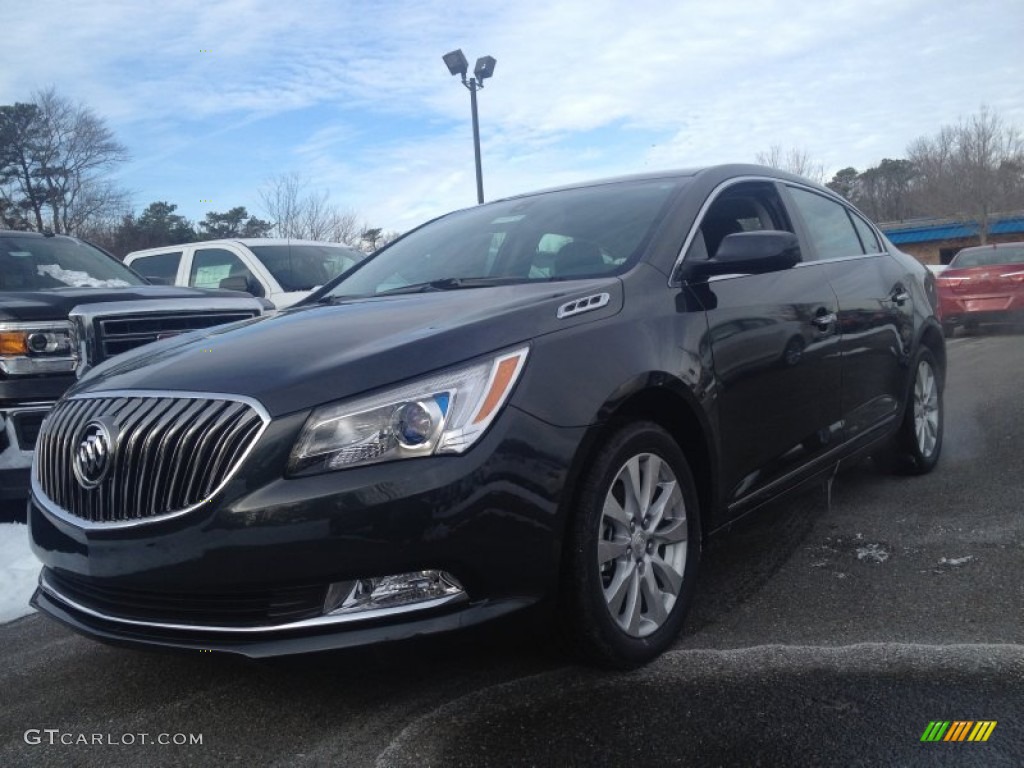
pixel 312 639
pixel 47 586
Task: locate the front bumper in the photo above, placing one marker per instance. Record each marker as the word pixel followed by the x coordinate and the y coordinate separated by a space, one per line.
pixel 492 518
pixel 19 426
pixel 265 642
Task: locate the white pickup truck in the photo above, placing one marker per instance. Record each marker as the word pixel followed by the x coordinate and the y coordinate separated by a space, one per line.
pixel 282 271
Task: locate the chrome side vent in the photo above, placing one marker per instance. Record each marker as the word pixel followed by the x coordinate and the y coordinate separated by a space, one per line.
pixel 586 304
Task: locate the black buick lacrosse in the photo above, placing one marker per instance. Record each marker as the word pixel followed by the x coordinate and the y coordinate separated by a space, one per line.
pixel 554 398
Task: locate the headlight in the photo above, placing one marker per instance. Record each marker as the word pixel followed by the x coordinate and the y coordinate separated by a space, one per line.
pixel 444 413
pixel 28 349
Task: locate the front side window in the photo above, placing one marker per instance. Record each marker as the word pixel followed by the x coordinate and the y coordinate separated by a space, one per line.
pixel 160 268
pixel 828 225
pixel 212 265
pixel 44 263
pixel 585 232
pixel 744 207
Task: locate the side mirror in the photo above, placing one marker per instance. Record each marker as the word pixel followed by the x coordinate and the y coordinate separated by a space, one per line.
pixel 236 283
pixel 755 253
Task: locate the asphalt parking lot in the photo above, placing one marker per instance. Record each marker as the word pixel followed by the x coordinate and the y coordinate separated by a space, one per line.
pixel 828 631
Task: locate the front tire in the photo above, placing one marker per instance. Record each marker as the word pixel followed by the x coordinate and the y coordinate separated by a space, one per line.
pixel 916 446
pixel 633 549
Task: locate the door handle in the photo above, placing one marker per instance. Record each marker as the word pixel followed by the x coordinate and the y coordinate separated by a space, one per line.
pixel 824 321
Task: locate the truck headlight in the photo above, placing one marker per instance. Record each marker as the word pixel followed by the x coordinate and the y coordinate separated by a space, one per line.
pixel 30 349
pixel 443 413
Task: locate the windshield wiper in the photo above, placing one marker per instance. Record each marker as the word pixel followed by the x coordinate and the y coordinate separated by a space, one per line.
pixel 337 299
pixel 450 284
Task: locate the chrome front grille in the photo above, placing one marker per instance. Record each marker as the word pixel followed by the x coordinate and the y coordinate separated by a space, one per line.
pixel 120 333
pixel 170 453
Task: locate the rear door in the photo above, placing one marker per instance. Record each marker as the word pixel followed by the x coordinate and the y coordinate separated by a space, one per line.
pixel 875 309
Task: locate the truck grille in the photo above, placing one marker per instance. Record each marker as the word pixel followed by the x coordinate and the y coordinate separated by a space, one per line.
pixel 119 333
pixel 169 453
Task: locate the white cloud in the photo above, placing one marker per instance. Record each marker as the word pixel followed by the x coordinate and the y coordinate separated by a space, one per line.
pixel 354 94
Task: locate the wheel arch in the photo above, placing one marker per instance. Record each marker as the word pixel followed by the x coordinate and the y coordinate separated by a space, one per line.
pixel 933 338
pixel 666 401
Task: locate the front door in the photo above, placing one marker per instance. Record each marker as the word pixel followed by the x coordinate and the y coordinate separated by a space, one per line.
pixel 774 344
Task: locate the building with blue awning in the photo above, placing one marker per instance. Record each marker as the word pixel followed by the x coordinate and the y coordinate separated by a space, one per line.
pixel 936 240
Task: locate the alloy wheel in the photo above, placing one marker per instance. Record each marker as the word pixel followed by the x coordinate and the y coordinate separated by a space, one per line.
pixel 642 547
pixel 926 409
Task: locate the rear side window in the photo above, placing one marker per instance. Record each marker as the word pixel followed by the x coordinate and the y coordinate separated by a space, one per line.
pixel 867 234
pixel 160 268
pixel 828 224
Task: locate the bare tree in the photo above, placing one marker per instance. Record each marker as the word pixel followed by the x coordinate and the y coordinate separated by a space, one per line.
pixel 306 215
pixel 793 160
pixel 972 169
pixel 75 151
pixel 22 193
pixel 884 191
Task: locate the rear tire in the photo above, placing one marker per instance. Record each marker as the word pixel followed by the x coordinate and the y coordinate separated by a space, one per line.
pixel 916 446
pixel 633 550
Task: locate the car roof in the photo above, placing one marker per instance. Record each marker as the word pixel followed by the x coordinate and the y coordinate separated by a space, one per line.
pixel 27 233
pixel 246 241
pixel 712 172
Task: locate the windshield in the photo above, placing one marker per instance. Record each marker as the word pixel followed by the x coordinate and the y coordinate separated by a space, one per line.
pixel 305 267
pixel 987 257
pixel 566 234
pixel 41 263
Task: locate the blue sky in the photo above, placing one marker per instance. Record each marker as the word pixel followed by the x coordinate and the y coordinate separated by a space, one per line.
pixel 213 98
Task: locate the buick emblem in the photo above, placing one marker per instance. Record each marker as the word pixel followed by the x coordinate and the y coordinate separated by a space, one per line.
pixel 94 454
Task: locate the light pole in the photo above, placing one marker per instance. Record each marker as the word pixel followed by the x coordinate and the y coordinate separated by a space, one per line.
pixel 458 65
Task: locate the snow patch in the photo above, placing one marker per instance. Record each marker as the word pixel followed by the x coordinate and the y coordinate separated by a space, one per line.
pixel 19 572
pixel 955 562
pixel 873 552
pixel 78 279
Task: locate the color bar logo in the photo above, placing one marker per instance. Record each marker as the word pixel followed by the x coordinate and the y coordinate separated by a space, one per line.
pixel 958 730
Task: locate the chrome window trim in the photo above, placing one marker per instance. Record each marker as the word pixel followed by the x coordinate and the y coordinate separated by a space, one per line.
pixel 674 282
pixel 40 497
pixel 319 621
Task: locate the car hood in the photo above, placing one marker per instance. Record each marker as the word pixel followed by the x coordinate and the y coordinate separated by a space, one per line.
pixel 57 303
pixel 311 355
pixel 286 299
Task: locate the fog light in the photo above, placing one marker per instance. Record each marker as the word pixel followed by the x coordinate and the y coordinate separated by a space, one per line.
pixel 383 592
